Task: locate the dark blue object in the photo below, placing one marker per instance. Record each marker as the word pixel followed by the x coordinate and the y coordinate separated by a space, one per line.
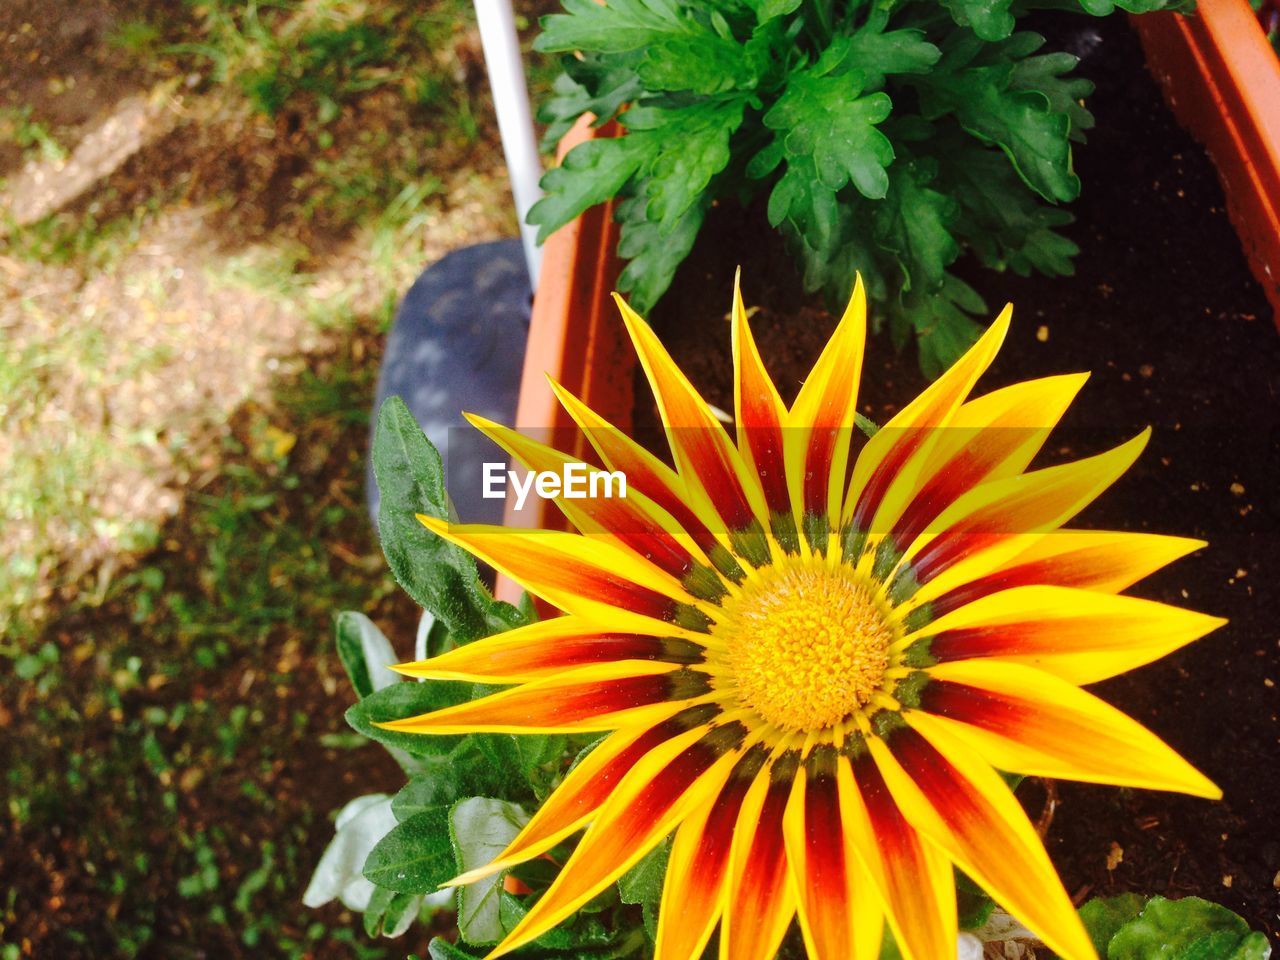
pixel 458 344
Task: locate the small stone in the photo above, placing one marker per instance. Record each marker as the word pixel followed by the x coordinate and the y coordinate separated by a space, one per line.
pixel 1146 370
pixel 1115 856
pixel 1226 880
pixel 1237 488
pixel 1042 333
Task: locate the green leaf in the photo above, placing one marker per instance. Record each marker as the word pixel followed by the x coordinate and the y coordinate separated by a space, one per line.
pixel 700 63
pixel 1047 74
pixel 767 10
pixel 357 637
pixel 1021 122
pixel 474 767
pixel 617 27
pixel 690 145
pixel 1005 224
pixel 642 884
pixel 438 575
pixel 416 856
pixel 990 19
pixel 1104 916
pixel 439 949
pixel 387 910
pixel 652 257
pixel 591 84
pixel 590 173
pixel 941 321
pixel 828 131
pixel 874 53
pixel 1187 929
pixel 408 699
pixel 480 828
pixel 914 221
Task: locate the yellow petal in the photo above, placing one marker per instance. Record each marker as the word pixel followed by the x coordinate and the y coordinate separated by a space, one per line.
pixel 888 465
pixel 587 576
pixel 840 913
pixel 1078 635
pixel 820 423
pixel 585 700
pixel 548 648
pixel 1027 721
pixel 962 805
pixel 659 792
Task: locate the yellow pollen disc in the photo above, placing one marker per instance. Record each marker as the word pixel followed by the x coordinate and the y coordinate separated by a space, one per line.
pixel 807 645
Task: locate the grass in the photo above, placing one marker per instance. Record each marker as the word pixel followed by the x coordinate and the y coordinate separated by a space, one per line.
pixel 172 713
pixel 173 733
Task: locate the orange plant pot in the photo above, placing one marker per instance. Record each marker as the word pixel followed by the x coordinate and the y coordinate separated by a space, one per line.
pixel 576 337
pixel 1222 80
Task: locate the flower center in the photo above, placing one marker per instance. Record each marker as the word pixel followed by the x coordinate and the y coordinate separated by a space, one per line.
pixel 809 646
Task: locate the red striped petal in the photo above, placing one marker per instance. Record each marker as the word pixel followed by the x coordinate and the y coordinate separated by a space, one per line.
pixel 647 474
pixel 658 793
pixel 705 458
pixel 547 648
pixel 761 899
pixel 692 896
pixel 961 804
pixel 840 913
pixel 584 700
pixel 915 879
pixel 1084 559
pixel 587 786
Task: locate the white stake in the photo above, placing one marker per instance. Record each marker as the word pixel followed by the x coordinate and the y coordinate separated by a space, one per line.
pixel 515 122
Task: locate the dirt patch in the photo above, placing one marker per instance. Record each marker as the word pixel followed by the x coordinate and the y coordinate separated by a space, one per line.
pixel 1164 311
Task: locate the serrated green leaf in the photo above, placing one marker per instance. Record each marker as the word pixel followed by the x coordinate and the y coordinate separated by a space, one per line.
pixel 990 19
pixel 616 27
pixel 408 699
pixel 690 145
pixel 822 118
pixel 438 575
pixel 653 251
pixel 1006 225
pixel 1104 916
pixel 941 321
pixel 1047 74
pixel 1187 929
pixel 874 53
pixel 699 63
pixel 591 84
pixel 480 828
pixel 914 221
pixel 1021 122
pixel 415 857
pixel 590 173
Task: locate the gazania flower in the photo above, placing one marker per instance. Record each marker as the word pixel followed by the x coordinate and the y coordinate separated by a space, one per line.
pixel 812 657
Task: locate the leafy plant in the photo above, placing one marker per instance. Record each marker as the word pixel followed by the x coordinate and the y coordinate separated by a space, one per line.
pixel 888 138
pixel 465 796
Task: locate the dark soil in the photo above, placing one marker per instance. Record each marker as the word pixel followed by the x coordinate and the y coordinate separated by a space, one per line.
pixel 1178 335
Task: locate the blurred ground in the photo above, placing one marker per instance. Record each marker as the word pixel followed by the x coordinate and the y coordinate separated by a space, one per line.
pixel 207 212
